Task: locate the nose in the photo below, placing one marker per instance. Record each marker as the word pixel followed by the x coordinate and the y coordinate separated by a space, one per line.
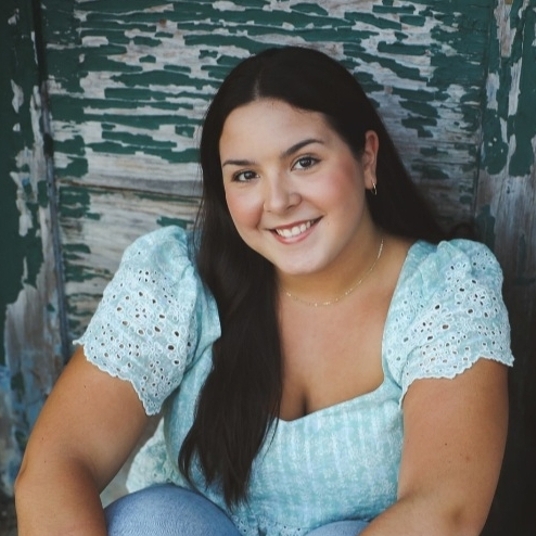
pixel 280 194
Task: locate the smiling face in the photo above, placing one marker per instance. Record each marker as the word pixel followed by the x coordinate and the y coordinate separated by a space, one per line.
pixel 295 190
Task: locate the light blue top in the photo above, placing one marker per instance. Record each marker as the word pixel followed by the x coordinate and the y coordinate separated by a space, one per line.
pixel 155 327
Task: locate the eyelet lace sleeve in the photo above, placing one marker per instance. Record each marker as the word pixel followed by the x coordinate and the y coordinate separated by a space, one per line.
pixel 148 327
pixel 450 314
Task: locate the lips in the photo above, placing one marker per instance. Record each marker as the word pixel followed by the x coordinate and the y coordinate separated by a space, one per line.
pixel 295 230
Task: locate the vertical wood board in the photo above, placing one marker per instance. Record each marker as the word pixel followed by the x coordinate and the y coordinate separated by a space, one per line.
pixel 506 211
pixel 30 354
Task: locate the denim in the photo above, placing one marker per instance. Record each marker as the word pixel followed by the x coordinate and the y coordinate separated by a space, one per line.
pixel 168 510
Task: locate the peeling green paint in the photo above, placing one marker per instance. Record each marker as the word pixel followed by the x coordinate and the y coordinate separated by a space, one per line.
pixel 23 206
pixel 523 124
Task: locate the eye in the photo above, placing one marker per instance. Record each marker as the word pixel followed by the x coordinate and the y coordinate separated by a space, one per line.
pixel 244 176
pixel 305 162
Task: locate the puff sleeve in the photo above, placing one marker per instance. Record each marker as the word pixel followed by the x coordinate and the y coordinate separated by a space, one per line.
pixel 154 317
pixel 450 313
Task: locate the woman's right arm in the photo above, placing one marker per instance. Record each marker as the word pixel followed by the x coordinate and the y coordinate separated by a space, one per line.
pixel 85 432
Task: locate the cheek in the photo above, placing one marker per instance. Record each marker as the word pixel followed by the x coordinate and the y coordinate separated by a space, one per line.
pixel 243 208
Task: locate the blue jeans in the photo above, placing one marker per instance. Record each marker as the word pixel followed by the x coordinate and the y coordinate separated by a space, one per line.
pixel 168 510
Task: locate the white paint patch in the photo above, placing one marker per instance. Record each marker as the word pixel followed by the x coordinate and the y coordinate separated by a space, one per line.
pixel 227 6
pixel 18 96
pixel 15 18
pixel 94 41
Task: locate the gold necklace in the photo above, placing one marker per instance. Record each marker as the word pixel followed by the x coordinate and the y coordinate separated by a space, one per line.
pixel 345 293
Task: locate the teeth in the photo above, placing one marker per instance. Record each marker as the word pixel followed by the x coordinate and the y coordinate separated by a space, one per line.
pixel 294 231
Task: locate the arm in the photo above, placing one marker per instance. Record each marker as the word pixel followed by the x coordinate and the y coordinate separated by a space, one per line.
pixel 86 430
pixel 454 438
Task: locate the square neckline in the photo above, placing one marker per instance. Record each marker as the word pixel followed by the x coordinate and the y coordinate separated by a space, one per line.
pixel 364 397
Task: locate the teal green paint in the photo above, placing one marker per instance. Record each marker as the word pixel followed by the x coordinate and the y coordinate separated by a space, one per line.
pixel 77 167
pixel 177 69
pixel 122 9
pixel 403 48
pixel 422 109
pixel 469 44
pixel 42 194
pixel 419 124
pixel 61 28
pixel 392 9
pixel 145 41
pixel 485 222
pixel 157 78
pixel 79 274
pixel 74 202
pixel 403 72
pixel 208 54
pixel 16 251
pixel 430 151
pixel 523 124
pixel 413 20
pixel 73 146
pixel 147 59
pixel 429 171
pixel 164 221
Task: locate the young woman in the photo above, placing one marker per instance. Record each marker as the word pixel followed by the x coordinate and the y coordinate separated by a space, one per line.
pixel 327 363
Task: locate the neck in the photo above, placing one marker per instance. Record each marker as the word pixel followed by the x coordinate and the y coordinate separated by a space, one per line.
pixel 337 281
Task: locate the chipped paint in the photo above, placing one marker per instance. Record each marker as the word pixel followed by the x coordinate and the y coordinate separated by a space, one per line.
pixel 126 115
pixel 29 347
pixel 505 201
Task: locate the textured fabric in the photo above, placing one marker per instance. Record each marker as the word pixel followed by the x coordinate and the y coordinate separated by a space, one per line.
pixel 155 327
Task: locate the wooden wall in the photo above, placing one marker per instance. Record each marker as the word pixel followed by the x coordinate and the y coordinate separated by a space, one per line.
pixel 30 341
pixel 127 85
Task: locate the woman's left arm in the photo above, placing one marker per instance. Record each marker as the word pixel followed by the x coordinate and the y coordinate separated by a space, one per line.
pixel 454 438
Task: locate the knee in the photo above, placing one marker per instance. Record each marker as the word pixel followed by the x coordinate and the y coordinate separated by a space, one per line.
pixel 167 510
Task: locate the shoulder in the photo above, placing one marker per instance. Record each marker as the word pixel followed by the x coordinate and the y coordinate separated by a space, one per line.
pixel 447 312
pixel 161 249
pixel 450 261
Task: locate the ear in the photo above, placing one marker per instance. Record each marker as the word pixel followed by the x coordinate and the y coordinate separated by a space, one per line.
pixel 369 159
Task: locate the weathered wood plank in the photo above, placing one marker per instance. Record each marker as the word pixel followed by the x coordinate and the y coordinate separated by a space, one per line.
pixel 30 346
pixel 97 225
pixel 505 209
pixel 146 71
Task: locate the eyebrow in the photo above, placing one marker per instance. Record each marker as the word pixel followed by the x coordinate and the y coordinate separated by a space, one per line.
pixel 285 154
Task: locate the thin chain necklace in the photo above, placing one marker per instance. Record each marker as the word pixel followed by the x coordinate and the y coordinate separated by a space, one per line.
pixel 346 292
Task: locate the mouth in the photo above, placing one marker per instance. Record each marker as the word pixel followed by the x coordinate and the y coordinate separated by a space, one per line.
pixel 295 230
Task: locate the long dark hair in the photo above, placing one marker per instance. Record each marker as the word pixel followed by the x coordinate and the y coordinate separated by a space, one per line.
pixel 242 394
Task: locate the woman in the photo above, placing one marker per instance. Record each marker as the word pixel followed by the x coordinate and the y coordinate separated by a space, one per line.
pixel 326 362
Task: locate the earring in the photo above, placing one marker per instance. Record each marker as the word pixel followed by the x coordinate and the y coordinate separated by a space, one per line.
pixel 374 190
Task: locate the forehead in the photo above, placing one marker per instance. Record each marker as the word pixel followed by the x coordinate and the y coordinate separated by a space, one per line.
pixel 266 123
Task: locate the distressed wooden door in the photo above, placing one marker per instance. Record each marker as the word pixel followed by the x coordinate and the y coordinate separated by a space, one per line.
pixel 126 87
